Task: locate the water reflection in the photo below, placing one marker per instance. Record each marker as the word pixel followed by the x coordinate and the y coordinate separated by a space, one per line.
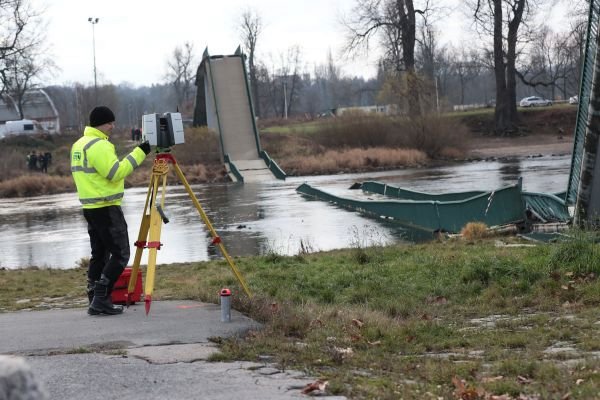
pixel 252 218
pixel 510 170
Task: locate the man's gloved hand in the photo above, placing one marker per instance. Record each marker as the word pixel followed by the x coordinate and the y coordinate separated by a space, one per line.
pixel 145 146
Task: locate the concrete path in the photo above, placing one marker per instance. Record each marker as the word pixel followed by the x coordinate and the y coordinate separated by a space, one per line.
pixel 161 356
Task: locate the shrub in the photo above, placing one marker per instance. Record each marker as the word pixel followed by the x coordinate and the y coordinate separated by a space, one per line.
pixel 201 147
pixel 474 230
pixel 35 185
pixel 432 134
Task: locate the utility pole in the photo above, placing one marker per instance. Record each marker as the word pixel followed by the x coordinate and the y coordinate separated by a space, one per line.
pixel 285 106
pixel 94 21
pixel 437 95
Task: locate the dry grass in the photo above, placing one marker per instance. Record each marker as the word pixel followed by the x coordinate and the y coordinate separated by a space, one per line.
pixel 474 230
pixel 436 137
pixel 201 147
pixel 430 134
pixel 353 160
pixel 35 185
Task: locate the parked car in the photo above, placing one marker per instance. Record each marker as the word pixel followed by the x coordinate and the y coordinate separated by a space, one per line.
pixel 574 100
pixel 534 101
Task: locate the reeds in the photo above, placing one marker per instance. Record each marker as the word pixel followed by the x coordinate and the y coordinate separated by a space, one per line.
pixel 333 161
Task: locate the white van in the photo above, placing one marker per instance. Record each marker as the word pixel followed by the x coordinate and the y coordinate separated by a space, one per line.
pixel 20 127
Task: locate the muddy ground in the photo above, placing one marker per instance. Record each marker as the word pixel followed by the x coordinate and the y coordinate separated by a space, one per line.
pixel 541 132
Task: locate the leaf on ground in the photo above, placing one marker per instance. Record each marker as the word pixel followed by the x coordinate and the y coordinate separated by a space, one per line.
pixel 356 338
pixel 343 351
pixel 492 378
pixel 464 392
pixel 319 384
pixel 357 322
pixel 315 322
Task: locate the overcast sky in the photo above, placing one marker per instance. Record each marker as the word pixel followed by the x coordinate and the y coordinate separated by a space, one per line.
pixel 134 38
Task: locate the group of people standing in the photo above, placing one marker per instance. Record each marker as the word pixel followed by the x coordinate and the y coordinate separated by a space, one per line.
pixel 39 161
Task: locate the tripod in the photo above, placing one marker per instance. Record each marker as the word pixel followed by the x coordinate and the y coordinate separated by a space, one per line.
pixel 152 220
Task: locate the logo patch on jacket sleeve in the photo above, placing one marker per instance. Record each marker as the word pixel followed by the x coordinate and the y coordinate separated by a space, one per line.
pixel 76 156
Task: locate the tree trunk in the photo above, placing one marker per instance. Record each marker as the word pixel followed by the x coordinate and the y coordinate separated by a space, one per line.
pixel 254 84
pixel 501 112
pixel 506 117
pixel 408 27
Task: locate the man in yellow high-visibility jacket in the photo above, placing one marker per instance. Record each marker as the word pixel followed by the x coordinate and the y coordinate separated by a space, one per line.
pixel 99 178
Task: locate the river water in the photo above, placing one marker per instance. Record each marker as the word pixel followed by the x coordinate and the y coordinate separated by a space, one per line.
pixel 50 231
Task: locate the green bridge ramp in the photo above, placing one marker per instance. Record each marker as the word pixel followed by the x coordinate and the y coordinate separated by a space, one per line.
pixel 499 207
pixel 543 206
pixel 230 113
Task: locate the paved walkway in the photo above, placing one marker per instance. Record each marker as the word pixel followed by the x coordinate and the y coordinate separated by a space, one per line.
pixel 161 356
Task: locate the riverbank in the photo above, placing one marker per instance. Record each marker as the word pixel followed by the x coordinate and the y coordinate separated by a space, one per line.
pixel 447 319
pixel 300 150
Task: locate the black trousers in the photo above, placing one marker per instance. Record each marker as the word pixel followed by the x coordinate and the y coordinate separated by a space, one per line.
pixel 110 242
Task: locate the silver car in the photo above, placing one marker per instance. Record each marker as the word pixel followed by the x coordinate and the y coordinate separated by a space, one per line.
pixel 534 101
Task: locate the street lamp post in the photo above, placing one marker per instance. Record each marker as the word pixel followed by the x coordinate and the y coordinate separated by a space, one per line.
pixel 285 103
pixel 94 21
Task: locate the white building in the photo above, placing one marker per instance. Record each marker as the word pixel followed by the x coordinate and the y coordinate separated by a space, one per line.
pixel 382 109
pixel 37 106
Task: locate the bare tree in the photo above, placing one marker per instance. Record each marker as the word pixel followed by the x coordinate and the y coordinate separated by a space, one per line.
pixel 395 21
pixel 284 82
pixel 466 67
pixel 22 60
pixel 14 18
pixel 553 63
pixel 251 27
pixel 505 21
pixel 181 74
pixel 21 73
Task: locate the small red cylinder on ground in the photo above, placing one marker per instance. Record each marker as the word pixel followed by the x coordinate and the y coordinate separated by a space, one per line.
pixel 225 295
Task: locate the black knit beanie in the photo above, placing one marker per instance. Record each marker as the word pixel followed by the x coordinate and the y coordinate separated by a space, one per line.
pixel 100 116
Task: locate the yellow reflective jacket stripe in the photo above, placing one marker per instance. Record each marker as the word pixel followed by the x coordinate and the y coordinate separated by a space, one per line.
pixel 98 174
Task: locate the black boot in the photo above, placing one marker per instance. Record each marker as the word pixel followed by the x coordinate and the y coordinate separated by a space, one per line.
pixel 90 290
pixel 102 303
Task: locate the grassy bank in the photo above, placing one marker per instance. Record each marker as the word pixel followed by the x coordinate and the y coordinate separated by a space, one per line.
pixel 450 319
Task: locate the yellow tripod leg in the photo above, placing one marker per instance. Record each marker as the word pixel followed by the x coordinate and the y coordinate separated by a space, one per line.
pixel 153 242
pixel 141 241
pixel 216 237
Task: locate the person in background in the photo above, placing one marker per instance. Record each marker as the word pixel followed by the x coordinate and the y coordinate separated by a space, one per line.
pixel 32 160
pixel 99 177
pixel 48 157
pixel 43 163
